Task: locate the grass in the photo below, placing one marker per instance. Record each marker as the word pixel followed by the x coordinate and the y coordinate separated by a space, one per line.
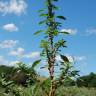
pixel 62 91
pixel 75 91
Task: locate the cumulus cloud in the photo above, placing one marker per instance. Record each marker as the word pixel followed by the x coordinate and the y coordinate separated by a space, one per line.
pixel 91 31
pixel 10 27
pixel 13 7
pixel 32 55
pixel 8 43
pixel 6 62
pixel 18 52
pixel 80 58
pixel 58 58
pixel 21 52
pixel 70 31
pixel 3 61
pixel 13 63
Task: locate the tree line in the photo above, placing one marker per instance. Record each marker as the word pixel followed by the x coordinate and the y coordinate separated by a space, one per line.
pixel 20 76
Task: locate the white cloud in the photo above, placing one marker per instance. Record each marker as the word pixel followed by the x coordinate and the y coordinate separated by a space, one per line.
pixel 76 58
pixel 70 31
pixel 10 27
pixel 8 43
pixel 91 31
pixel 58 58
pixel 18 52
pixel 13 63
pixel 32 55
pixel 6 62
pixel 21 52
pixel 3 61
pixel 70 58
pixel 13 6
pixel 80 58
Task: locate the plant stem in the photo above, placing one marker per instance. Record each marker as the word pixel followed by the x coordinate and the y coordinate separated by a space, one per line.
pixel 51 57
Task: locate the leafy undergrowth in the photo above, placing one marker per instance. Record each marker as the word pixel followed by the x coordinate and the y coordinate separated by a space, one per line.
pixel 62 91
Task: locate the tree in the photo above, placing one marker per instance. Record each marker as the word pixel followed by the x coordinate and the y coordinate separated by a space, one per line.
pixel 20 75
pixel 51 46
pixel 87 80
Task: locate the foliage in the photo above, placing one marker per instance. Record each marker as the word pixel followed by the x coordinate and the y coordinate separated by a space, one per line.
pixel 87 81
pixel 23 76
pixel 42 87
pixel 75 91
pixel 7 70
pixel 24 81
pixel 51 48
pixel 61 91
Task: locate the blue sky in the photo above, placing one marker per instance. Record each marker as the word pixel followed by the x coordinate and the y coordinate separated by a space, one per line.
pixel 19 20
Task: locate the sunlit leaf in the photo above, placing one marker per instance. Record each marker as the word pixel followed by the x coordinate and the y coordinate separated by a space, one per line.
pixel 55 7
pixel 43 14
pixel 36 63
pixel 41 22
pixel 38 32
pixel 74 73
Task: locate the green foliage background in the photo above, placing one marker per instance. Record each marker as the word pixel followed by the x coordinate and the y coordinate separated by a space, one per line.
pixel 41 86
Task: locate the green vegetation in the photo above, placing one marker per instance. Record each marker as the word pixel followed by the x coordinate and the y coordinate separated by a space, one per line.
pixel 87 81
pixel 52 47
pixel 40 86
pixel 24 81
pixel 62 91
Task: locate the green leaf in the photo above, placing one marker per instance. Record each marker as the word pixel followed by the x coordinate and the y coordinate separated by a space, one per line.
pixel 58 24
pixel 42 67
pixel 61 68
pixel 65 32
pixel 55 32
pixel 55 7
pixel 64 58
pixel 42 53
pixel 44 15
pixel 74 73
pixel 55 0
pixel 44 44
pixel 41 10
pixel 41 22
pixel 36 63
pixel 46 66
pixel 61 17
pixel 38 32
